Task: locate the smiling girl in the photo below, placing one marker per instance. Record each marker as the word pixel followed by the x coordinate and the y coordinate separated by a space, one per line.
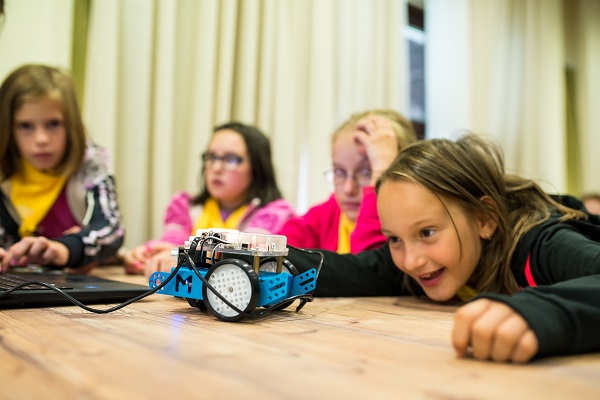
pixel 458 227
pixel 59 204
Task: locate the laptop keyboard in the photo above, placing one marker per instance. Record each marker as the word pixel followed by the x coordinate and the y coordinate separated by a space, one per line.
pixel 9 281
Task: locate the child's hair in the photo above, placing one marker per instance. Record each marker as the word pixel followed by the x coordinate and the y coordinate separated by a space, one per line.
pixel 469 171
pixel 263 185
pixel 32 82
pixel 404 129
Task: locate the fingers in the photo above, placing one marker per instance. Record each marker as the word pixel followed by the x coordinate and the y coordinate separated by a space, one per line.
pixel 135 260
pixel 2 254
pixel 484 332
pixel 17 254
pixel 527 348
pixel 492 330
pixel 138 260
pixel 378 140
pixel 463 320
pixel 159 262
pixel 35 250
pixel 507 337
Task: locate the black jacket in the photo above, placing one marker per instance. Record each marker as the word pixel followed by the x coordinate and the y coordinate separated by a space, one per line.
pixel 563 310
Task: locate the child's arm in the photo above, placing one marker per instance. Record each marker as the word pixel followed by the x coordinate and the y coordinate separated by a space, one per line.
pixel 563 311
pixel 564 317
pixel 369 273
pixel 103 235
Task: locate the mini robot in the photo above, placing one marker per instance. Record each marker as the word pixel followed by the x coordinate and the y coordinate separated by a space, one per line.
pixel 232 273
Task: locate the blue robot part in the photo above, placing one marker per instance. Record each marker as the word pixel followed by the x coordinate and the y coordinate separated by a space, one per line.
pixel 231 279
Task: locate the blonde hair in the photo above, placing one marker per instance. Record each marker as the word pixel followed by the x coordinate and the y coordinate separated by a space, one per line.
pixel 468 172
pixel 31 82
pixel 404 129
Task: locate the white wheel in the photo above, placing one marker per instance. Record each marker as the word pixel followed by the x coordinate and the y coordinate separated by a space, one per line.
pixel 270 265
pixel 237 282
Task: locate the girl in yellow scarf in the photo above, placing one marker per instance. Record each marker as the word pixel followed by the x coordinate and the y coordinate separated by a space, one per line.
pixel 58 204
pixel 239 192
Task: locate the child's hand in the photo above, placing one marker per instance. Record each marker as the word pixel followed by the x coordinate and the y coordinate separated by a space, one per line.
pixel 2 254
pixel 160 262
pixel 35 250
pixel 490 330
pixel 377 136
pixel 135 260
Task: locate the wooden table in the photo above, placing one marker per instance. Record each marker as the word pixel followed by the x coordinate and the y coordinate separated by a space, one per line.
pixel 344 348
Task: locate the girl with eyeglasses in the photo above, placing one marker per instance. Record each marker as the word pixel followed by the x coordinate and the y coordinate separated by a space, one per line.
pixel 239 192
pixel 361 149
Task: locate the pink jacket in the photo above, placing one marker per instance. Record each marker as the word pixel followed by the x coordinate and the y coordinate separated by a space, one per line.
pixel 180 218
pixel 318 228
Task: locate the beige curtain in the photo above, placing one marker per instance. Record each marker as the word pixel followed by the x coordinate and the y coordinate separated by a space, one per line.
pixel 587 88
pixel 160 74
pixel 500 67
pixel 36 31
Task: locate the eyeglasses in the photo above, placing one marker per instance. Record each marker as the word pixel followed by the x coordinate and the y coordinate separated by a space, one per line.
pixel 338 176
pixel 230 161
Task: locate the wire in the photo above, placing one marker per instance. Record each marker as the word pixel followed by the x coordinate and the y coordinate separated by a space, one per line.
pixel 91 309
pixel 186 256
pixel 305 298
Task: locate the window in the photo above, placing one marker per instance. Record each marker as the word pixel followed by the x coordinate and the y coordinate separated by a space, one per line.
pixel 415 37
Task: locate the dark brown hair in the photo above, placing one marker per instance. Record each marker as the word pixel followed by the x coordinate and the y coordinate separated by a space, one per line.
pixel 467 171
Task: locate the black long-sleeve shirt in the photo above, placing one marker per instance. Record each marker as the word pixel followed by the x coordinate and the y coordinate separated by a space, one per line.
pixel 563 309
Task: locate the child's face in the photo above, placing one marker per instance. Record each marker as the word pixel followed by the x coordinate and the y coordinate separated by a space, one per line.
pixel 228 183
pixel 346 157
pixel 592 205
pixel 423 238
pixel 40 133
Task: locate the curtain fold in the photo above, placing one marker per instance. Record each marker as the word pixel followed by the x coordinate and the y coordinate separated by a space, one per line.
pixel 160 74
pixel 499 67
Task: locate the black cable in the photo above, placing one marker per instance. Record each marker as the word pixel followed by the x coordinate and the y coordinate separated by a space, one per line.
pixel 97 310
pixel 305 298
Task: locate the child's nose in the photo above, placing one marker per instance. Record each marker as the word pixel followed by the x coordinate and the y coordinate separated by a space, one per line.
pixel 413 259
pixel 350 184
pixel 41 135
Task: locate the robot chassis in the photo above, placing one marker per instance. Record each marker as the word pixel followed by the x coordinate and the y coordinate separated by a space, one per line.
pixel 232 273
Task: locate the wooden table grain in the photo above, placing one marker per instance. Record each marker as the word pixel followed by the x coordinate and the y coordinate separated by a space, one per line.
pixel 334 348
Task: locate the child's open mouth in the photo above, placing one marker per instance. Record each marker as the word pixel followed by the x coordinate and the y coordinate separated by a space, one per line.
pixel 431 278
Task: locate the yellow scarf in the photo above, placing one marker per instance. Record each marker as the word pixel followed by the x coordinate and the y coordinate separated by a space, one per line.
pixel 211 217
pixel 33 193
pixel 466 293
pixel 345 230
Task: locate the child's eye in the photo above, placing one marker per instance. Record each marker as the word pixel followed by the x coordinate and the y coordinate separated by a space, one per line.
pixel 427 232
pixel 54 123
pixel 393 240
pixel 23 126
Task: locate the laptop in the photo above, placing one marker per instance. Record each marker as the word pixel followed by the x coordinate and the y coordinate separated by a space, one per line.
pixel 87 289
